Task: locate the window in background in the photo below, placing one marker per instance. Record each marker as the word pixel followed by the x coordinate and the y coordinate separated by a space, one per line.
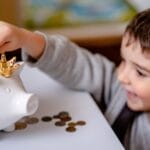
pixel 62 13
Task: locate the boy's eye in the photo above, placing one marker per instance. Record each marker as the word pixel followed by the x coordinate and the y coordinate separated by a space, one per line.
pixel 140 73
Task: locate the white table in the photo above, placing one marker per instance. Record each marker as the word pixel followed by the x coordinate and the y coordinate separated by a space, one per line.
pixel 95 135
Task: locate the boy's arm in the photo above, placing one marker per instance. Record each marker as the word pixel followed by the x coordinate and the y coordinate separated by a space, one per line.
pixel 73 66
pixel 61 59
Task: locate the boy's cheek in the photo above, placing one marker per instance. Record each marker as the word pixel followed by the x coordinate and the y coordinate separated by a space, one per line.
pixel 143 93
pixel 145 100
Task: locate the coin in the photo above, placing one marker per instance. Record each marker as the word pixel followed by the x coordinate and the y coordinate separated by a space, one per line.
pixel 70 129
pixel 71 124
pixel 68 118
pixel 56 117
pixel 32 120
pixel 63 113
pixel 20 125
pixel 60 123
pixel 46 119
pixel 80 123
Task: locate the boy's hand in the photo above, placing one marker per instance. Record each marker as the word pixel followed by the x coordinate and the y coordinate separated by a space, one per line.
pixel 12 38
pixel 9 37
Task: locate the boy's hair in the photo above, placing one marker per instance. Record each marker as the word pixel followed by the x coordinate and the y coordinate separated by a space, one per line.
pixel 139 29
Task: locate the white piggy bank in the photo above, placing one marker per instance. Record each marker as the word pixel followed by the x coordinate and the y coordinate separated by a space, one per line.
pixel 15 102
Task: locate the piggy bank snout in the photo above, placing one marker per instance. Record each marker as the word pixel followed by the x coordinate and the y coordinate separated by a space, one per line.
pixel 27 105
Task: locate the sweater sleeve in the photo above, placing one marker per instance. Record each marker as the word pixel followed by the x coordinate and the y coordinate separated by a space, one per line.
pixel 140 133
pixel 74 66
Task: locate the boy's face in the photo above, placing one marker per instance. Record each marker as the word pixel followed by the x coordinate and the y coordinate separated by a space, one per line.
pixel 134 74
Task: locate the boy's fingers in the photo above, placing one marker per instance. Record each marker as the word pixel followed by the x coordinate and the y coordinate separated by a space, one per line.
pixel 4 43
pixel 5 47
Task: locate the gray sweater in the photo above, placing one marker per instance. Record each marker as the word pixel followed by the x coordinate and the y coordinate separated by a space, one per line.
pixel 78 69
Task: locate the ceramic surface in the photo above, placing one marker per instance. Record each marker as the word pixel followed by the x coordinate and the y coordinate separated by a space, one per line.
pixel 15 102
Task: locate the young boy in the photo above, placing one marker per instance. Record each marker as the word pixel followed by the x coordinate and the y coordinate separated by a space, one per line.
pixel 78 69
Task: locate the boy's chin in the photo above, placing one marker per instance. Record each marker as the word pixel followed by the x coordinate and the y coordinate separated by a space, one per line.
pixel 135 105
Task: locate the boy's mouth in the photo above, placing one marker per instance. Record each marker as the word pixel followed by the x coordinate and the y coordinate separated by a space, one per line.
pixel 132 96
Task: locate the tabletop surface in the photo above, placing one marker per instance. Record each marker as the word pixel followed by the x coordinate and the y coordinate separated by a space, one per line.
pixel 54 98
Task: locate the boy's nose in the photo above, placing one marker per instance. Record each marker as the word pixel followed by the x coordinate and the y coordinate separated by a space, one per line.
pixel 124 76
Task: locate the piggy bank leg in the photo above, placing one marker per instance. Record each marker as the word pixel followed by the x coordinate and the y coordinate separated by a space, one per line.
pixel 10 128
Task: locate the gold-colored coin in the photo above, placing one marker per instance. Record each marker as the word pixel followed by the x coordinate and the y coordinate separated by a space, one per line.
pixel 71 124
pixel 46 119
pixel 20 125
pixel 32 120
pixel 81 123
pixel 70 129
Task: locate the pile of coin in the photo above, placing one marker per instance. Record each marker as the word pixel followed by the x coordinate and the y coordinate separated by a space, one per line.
pixel 63 118
pixel 72 125
pixel 22 124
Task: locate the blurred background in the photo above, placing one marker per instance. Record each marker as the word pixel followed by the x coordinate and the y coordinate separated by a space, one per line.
pixel 97 25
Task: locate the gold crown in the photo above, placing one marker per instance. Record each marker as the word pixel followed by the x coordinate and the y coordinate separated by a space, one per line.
pixel 7 67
